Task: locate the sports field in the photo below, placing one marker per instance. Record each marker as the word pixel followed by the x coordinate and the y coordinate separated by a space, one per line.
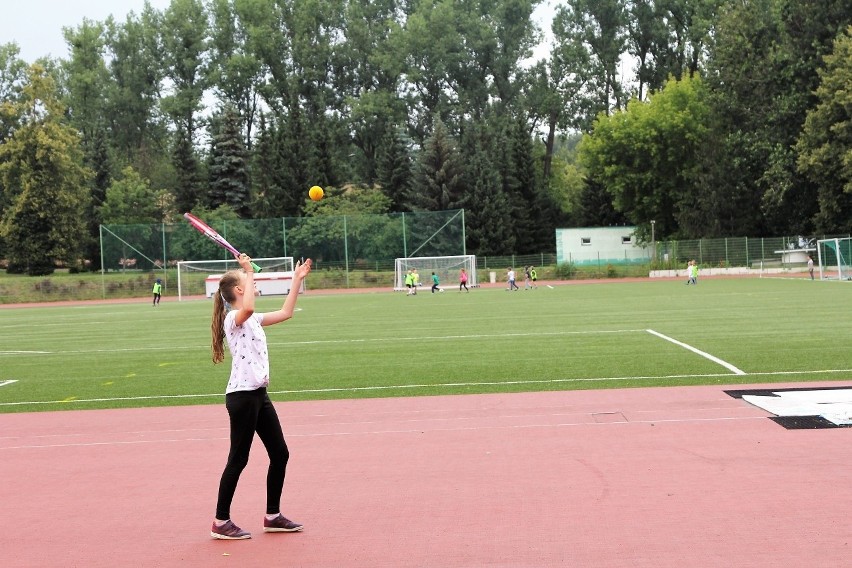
pixel 585 336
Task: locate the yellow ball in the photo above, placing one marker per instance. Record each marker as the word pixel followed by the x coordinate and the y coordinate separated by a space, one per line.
pixel 315 193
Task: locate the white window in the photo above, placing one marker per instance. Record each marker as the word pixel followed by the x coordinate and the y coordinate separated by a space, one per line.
pixel 585 241
pixel 627 240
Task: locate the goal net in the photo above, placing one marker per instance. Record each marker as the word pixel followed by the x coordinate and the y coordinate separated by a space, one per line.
pixel 192 275
pixel 447 268
pixel 834 256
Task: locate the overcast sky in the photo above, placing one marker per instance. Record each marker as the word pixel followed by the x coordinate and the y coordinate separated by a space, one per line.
pixel 36 25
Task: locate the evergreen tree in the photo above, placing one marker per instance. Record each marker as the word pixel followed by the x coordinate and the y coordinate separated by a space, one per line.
pixel 264 164
pixel 297 163
pixel 438 184
pixel 596 207
pixel 229 179
pixel 394 169
pixel 187 172
pixel 96 157
pixel 488 219
pixel 531 207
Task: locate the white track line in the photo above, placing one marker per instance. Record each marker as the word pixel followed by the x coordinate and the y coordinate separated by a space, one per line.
pixel 725 364
pixel 417 431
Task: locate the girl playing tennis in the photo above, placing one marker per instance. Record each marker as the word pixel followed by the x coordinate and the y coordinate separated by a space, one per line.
pixel 249 408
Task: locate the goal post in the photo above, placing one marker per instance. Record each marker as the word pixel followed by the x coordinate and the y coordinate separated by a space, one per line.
pixel 447 268
pixel 192 275
pixel 834 256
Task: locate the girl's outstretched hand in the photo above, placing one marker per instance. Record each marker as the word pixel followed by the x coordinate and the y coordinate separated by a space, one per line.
pixel 302 269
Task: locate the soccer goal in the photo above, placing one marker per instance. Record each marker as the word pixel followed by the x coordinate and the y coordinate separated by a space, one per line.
pixel 447 268
pixel 834 256
pixel 192 275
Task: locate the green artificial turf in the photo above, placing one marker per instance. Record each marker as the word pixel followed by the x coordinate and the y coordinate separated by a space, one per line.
pixel 573 336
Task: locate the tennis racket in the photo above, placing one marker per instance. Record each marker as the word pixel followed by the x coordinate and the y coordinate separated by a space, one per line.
pixel 208 232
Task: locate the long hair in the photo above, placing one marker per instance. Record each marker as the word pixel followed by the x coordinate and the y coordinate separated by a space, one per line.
pixel 225 293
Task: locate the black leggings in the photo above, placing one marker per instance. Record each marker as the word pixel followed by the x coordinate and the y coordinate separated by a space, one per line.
pixel 250 412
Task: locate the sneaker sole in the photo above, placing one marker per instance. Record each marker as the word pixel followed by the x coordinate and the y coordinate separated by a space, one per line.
pixel 226 537
pixel 276 529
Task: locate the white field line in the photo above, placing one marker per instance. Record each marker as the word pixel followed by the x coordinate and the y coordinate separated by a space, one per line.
pixel 336 341
pixel 9 382
pixel 725 364
pixel 433 386
pixel 24 352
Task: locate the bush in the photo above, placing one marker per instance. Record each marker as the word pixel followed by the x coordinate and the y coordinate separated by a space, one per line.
pixel 565 271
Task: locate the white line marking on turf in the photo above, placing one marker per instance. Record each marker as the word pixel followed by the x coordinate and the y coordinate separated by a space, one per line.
pixel 24 352
pixel 436 386
pixel 336 341
pixel 9 382
pixel 725 364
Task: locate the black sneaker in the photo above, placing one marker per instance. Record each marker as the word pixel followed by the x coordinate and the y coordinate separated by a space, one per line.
pixel 280 524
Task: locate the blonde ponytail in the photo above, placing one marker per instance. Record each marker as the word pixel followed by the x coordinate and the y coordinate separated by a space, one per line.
pixel 224 294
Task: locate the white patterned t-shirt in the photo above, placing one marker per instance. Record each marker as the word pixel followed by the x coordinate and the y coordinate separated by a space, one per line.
pixel 249 354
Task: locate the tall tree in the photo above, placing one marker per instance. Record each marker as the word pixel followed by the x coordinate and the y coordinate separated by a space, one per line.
pixel 187 181
pixel 87 82
pixel 825 146
pixel 130 200
pixel 13 74
pixel 647 156
pixel 45 181
pixel 229 179
pixel 601 26
pixel 235 73
pixel 539 208
pixel 136 129
pixel 369 75
pixel 394 172
pixel 488 219
pixel 438 183
pixel 759 116
pixel 264 164
pixel 184 36
pixel 432 51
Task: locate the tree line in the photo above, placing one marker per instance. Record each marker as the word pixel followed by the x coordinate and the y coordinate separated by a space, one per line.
pixel 709 117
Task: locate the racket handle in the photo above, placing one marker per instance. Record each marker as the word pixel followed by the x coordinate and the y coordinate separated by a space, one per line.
pixel 255 267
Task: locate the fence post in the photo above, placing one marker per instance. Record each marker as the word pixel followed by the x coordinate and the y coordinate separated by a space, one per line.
pixel 284 233
pixel 404 243
pixel 748 264
pixel 346 250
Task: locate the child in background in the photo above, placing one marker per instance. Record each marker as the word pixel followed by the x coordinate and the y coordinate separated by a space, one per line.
pixel 409 282
pixel 435 283
pixel 692 270
pixel 510 276
pixel 158 290
pixel 463 280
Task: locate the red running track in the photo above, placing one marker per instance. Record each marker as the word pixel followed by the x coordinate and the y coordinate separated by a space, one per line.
pixel 663 477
